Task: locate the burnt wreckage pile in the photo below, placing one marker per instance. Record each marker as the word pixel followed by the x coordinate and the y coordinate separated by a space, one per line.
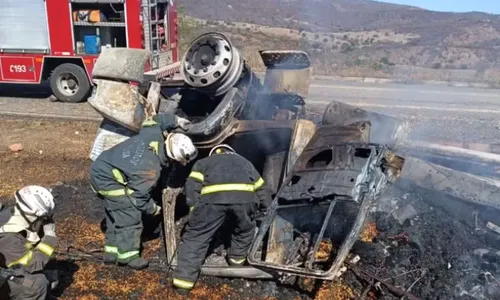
pixel 325 176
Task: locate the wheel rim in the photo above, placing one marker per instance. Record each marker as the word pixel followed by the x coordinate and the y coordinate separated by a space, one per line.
pixel 212 64
pixel 67 84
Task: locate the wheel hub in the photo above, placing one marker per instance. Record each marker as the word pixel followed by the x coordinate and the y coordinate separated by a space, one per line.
pixel 67 84
pixel 212 64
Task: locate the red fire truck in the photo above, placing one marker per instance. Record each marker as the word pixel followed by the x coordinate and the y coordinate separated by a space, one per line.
pixel 60 40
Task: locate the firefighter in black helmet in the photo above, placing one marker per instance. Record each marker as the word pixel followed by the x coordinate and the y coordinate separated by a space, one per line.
pixel 224 184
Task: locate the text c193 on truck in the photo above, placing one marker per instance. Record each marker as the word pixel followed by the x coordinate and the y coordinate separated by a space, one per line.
pixel 60 40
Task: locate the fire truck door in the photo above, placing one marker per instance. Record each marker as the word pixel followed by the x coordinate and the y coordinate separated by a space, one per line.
pixel 17 68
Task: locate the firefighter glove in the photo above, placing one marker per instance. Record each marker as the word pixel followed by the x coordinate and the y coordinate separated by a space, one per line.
pixel 156 210
pixel 182 123
pixel 49 229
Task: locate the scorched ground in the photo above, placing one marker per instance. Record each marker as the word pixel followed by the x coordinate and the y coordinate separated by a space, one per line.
pixel 435 247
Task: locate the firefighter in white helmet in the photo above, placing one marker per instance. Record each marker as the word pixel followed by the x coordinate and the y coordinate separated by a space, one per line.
pixel 125 176
pixel 27 242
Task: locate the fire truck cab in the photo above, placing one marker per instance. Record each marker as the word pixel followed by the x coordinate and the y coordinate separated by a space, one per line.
pixel 60 40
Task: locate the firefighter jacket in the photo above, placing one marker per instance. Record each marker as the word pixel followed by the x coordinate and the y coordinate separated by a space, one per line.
pixel 226 179
pixel 15 249
pixel 133 167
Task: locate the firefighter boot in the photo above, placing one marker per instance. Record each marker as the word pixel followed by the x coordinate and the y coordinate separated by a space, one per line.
pixel 182 287
pixel 236 261
pixel 181 291
pixel 109 258
pixel 110 255
pixel 136 263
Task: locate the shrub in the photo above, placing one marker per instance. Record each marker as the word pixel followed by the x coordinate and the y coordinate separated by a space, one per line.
pixel 436 65
pixel 346 47
pixel 384 60
pixel 316 45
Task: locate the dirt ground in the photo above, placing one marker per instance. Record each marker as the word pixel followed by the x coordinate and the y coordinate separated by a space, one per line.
pixel 436 253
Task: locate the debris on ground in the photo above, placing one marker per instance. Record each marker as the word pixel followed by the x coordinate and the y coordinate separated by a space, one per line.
pixel 16 147
pixel 435 253
pixel 369 232
pixel 324 250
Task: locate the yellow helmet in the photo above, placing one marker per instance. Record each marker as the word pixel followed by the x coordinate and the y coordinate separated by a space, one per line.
pixel 222 148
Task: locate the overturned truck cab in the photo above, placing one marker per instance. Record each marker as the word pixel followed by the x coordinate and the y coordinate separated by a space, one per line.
pixel 324 177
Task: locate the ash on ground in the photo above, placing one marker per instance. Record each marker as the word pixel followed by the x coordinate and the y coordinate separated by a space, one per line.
pixel 434 246
pixel 431 245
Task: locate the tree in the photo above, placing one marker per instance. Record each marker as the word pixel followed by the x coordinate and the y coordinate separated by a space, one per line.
pixel 325 40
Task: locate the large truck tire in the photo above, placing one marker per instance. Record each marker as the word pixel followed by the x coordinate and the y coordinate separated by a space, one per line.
pixel 70 83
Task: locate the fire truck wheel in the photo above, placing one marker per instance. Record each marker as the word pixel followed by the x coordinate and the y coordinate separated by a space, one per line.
pixel 69 83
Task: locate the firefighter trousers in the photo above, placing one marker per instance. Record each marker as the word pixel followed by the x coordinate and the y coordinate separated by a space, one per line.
pixel 203 223
pixel 36 289
pixel 123 222
pixel 123 228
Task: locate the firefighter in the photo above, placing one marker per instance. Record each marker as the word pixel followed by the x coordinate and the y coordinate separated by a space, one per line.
pixel 125 176
pixel 222 185
pixel 27 242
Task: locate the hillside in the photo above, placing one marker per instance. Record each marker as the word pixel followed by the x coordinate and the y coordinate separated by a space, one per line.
pixel 359 37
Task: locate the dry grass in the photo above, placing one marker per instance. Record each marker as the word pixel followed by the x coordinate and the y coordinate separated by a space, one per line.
pixel 53 152
pixel 336 290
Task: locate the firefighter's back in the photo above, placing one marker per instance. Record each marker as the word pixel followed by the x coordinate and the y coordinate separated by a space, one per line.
pixel 222 171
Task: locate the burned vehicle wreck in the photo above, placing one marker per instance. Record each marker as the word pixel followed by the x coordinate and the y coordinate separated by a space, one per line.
pixel 325 198
pixel 331 173
pixel 324 176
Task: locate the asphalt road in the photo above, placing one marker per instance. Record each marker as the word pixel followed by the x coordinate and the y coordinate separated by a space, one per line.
pixel 435 112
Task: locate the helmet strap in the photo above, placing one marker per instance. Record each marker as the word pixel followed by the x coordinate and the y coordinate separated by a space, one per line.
pixel 32 224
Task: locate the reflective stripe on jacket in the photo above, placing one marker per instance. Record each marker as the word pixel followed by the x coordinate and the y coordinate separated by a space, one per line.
pixel 15 249
pixel 225 179
pixel 132 168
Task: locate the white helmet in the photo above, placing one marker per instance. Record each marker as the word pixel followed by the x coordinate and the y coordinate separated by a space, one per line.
pixel 180 148
pixel 222 148
pixel 34 200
